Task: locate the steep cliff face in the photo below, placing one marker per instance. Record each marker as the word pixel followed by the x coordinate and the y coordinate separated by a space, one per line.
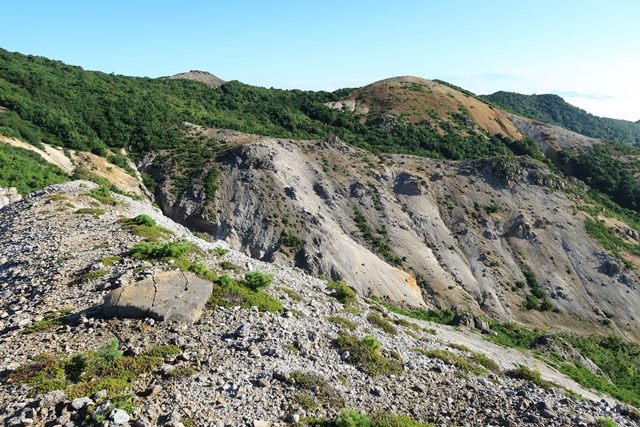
pixel 418 231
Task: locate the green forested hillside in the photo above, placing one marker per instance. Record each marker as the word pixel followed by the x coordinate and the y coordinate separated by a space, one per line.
pixel 554 109
pixel 49 101
pixel 26 170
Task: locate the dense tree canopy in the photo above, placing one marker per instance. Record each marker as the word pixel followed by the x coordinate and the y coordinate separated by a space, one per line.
pixel 48 101
pixel 554 109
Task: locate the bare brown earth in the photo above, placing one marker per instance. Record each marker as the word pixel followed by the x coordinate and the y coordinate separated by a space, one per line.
pixel 421 100
pixel 200 76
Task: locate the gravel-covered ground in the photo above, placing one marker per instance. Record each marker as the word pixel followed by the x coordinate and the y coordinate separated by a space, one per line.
pixel 240 365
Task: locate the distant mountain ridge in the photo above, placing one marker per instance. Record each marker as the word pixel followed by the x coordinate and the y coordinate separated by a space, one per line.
pixel 554 109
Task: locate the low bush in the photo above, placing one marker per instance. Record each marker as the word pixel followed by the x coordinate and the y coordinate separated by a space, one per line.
pixel 527 374
pixel 257 280
pixel 228 292
pixel 154 250
pixel 342 292
pixel 366 355
pixel 342 321
pixel 86 373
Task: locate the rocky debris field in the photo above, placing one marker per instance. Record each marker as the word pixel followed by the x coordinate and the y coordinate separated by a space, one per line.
pixel 272 347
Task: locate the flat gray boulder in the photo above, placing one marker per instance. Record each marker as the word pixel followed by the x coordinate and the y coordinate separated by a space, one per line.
pixel 169 296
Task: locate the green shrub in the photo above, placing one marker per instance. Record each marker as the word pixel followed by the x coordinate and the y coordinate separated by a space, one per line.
pixel 221 251
pixel 144 219
pixel 257 280
pixel 154 250
pixel 366 355
pixel 342 292
pixel 376 320
pixel 291 241
pixel 145 226
pixel 200 269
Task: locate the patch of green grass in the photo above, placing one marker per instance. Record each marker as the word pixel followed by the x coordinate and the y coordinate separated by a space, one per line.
pixel 342 321
pixel 103 194
pixel 445 316
pixel 228 292
pixel 527 374
pixel 91 211
pixel 453 359
pixel 50 321
pixel 619 360
pixel 342 292
pixel 351 418
pixel 605 422
pixel 229 266
pixel 93 275
pixel 221 251
pixel 485 361
pixel 109 260
pixel 366 355
pixel 407 324
pixel 459 347
pixel 293 295
pixel 86 373
pixel 537 299
pixel 610 240
pixel 315 389
pixel 512 335
pixel 145 226
pixel 379 322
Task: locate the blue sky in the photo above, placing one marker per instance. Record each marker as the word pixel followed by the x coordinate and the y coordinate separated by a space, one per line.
pixel 586 51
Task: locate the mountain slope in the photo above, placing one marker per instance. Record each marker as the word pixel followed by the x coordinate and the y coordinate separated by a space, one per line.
pixel 554 109
pixel 465 232
pixel 65 361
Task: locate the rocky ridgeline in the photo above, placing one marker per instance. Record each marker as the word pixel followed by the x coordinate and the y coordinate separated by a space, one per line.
pixel 69 285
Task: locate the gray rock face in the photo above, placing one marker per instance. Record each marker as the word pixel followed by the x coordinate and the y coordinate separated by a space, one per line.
pixel 8 195
pixel 170 296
